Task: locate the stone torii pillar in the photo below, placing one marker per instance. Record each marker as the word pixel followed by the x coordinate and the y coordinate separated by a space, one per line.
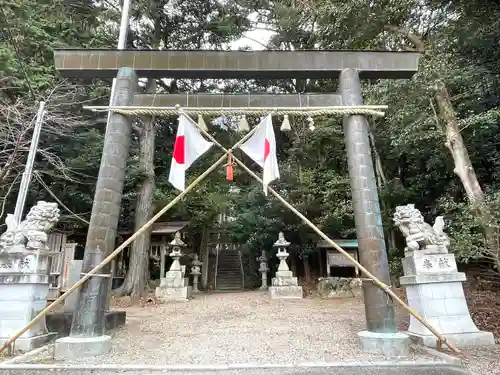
pixel 381 335
pixel 87 336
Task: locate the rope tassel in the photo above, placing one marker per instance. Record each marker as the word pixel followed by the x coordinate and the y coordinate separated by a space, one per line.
pixel 310 120
pixel 285 125
pixel 230 167
pixel 201 122
pixel 243 125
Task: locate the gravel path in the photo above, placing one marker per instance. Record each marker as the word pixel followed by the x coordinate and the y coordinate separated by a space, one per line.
pixel 244 327
pixel 483 361
pixel 249 328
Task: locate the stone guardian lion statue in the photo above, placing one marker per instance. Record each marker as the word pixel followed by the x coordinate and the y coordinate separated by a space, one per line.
pixel 32 232
pixel 418 234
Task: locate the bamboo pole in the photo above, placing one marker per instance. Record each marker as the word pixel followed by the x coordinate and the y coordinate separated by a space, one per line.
pixel 381 285
pixel 120 248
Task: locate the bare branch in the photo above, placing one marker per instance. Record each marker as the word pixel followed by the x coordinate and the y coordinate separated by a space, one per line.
pixel 17 118
pixel 415 39
pixel 4 198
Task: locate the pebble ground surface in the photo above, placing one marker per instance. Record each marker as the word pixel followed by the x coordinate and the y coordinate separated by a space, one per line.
pixel 250 328
pixel 483 361
pixel 246 327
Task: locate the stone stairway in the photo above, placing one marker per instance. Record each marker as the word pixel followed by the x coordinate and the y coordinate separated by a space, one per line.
pixel 229 274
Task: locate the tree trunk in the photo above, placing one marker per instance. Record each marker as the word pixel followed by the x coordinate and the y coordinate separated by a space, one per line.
pixel 465 171
pixel 136 280
pixel 205 257
pixel 307 269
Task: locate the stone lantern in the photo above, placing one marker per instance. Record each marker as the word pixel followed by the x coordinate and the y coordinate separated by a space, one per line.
pixel 196 272
pixel 176 254
pixel 284 284
pixel 263 269
pixel 282 245
pixel 175 286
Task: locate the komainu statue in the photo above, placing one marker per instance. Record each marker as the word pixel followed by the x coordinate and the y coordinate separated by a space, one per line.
pixel 32 232
pixel 418 234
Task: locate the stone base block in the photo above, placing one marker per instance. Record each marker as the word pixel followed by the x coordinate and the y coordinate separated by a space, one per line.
pixel 27 344
pixel 20 303
pixel 460 340
pixel 181 294
pixel 443 305
pixel 77 347
pixel 339 287
pixel 173 282
pixel 388 344
pixel 345 294
pixel 285 292
pixel 284 274
pixel 284 281
pixel 60 322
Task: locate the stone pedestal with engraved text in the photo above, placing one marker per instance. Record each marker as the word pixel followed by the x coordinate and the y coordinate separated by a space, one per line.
pixel 434 290
pixel 24 275
pixel 433 283
pixel 284 284
pixel 24 286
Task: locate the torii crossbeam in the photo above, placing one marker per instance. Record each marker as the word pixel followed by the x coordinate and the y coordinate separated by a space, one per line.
pixel 98 63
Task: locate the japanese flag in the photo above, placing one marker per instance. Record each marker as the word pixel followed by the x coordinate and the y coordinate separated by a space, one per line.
pixel 261 147
pixel 189 145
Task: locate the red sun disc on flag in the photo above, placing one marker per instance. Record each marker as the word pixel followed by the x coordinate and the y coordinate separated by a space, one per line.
pixel 179 150
pixel 267 149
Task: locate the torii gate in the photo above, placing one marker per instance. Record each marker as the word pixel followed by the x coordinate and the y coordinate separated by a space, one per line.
pixel 87 331
pixel 348 66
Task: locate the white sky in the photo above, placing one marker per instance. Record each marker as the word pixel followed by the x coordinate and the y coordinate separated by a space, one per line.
pixel 256 39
